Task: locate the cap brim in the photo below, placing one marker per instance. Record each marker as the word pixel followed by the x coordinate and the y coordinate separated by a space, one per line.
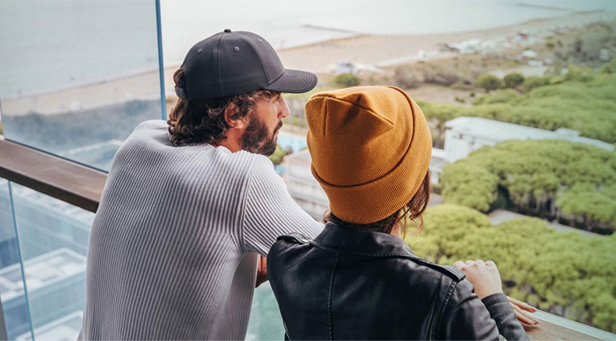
pixel 293 81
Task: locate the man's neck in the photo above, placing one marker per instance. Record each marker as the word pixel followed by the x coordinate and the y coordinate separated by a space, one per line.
pixel 232 142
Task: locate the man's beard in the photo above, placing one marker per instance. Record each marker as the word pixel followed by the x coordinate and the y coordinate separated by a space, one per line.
pixel 255 138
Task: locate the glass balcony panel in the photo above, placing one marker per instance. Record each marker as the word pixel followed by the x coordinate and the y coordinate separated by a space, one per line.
pixel 78 76
pixel 54 242
pixel 11 279
pixel 265 319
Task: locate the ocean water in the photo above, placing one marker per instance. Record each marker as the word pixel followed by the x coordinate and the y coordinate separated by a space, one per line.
pixel 286 23
pixel 46 45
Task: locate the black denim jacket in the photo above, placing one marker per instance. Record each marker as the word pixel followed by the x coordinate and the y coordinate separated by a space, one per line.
pixel 362 285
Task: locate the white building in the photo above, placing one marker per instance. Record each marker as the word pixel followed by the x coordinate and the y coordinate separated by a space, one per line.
pixel 467 134
pixel 55 282
pixel 303 187
pixel 438 160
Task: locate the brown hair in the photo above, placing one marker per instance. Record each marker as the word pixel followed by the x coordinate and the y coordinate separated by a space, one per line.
pixel 412 211
pixel 203 121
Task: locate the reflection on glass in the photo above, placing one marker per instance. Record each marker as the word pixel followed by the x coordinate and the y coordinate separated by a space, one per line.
pixel 265 319
pixel 78 76
pixel 11 280
pixel 54 240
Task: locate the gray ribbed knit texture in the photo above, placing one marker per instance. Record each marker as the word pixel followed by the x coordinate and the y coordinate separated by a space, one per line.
pixel 172 247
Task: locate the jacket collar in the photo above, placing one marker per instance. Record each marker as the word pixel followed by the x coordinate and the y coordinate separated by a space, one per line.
pixel 363 243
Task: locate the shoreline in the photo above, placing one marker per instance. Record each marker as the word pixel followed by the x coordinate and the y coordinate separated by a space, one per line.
pixel 424 35
pixel 381 51
pixel 388 50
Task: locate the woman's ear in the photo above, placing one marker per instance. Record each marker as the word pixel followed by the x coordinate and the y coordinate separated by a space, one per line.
pixel 232 122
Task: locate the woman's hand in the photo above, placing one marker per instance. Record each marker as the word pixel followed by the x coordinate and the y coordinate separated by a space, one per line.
pixel 519 307
pixel 484 276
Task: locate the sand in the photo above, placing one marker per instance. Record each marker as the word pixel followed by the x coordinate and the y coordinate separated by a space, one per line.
pixel 383 51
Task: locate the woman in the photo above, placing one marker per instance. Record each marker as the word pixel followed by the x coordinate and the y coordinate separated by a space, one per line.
pixel 371 150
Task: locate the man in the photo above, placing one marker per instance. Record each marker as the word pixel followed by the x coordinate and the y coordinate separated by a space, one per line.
pixel 189 204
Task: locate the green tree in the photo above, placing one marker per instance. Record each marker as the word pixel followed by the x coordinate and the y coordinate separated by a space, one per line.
pixel 585 106
pixel 513 80
pixel 278 156
pixel 564 273
pixel 469 185
pixel 534 82
pixel 489 82
pixel 347 79
pixel 572 182
pixel 508 96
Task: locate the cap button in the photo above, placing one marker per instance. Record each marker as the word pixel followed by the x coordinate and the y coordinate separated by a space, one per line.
pixel 227 30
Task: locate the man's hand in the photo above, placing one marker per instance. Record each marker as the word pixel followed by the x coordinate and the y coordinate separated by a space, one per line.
pixel 484 276
pixel 261 271
pixel 519 307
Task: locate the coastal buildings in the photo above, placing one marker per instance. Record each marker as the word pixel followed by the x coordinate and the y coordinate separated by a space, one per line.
pixel 303 187
pixel 467 134
pixel 438 160
pixel 54 279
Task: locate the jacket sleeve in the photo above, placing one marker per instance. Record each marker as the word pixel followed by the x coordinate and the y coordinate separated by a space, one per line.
pixel 466 317
pixel 270 211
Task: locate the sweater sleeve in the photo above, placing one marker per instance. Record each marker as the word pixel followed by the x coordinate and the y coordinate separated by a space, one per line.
pixel 270 211
pixel 469 318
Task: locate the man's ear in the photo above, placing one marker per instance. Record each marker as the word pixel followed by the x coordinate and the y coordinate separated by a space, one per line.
pixel 229 112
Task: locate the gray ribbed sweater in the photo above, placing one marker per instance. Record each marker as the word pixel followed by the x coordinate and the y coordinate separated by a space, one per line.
pixel 173 246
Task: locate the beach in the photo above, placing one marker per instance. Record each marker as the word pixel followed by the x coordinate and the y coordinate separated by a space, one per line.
pixel 384 51
pixel 380 51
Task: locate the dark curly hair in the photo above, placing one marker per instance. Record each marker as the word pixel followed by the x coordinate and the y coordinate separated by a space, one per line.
pixel 203 121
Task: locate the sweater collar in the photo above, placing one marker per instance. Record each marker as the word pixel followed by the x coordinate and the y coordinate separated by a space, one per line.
pixel 365 243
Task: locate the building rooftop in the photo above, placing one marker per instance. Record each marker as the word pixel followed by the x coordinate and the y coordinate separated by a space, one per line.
pixel 501 131
pixel 438 159
pixel 303 155
pixel 76 214
pixel 66 328
pixel 40 271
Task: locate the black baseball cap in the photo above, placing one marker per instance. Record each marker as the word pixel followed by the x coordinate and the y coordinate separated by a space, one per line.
pixel 232 63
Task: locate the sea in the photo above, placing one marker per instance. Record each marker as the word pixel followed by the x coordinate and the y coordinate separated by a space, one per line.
pixel 47 45
pixel 288 23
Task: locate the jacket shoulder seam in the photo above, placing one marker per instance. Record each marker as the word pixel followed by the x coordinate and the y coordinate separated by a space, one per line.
pixel 329 301
pixel 452 273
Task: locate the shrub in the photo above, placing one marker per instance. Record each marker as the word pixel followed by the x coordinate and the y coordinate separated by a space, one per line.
pixel 573 182
pixel 489 82
pixel 440 75
pixel 278 156
pixel 406 78
pixel 347 80
pixel 503 96
pixel 513 80
pixel 563 273
pixel 534 82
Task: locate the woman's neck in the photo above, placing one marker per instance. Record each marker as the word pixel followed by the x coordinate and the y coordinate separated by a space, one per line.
pixel 396 230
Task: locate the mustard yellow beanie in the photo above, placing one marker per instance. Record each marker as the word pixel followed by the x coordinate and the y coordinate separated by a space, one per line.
pixel 370 149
